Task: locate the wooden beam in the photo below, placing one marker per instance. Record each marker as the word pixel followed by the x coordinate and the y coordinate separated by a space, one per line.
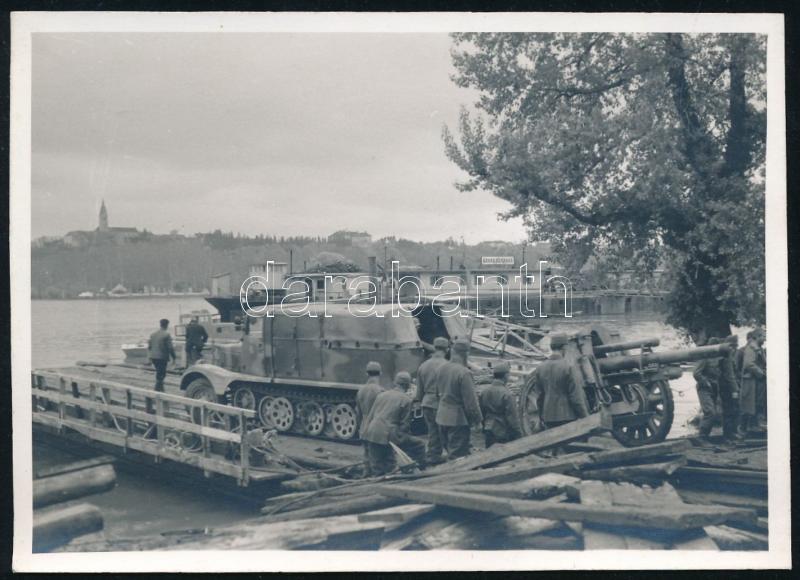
pixel 677 517
pixel 637 473
pixel 635 454
pixel 359 504
pixel 546 439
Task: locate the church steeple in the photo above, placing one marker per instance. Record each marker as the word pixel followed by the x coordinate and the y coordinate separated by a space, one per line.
pixel 103 227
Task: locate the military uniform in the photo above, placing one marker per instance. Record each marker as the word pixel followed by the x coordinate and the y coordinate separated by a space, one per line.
pixel 500 418
pixel 707 374
pixel 428 387
pixel 458 407
pixel 160 350
pixel 365 398
pixel 389 420
pixel 196 337
pixel 729 394
pixel 562 392
pixel 751 374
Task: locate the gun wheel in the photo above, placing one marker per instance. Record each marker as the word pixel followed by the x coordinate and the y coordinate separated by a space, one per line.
pixel 281 413
pixel 655 398
pixel 312 417
pixel 344 422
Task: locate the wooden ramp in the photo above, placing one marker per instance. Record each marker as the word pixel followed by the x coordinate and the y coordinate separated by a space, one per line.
pixel 214 438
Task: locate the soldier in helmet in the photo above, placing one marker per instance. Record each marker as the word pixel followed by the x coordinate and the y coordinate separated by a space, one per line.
pixel 500 415
pixel 458 402
pixel 389 421
pixel 364 400
pixel 429 380
pixel 559 386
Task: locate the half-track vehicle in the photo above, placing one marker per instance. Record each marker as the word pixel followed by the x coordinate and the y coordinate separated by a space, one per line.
pixel 301 373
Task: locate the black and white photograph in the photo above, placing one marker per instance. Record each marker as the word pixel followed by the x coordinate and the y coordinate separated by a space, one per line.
pixel 339 292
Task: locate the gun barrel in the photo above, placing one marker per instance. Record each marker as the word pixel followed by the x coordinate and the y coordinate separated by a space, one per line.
pixel 618 346
pixel 621 363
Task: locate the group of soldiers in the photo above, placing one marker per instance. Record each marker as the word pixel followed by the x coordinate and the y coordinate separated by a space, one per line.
pixel 160 349
pixel 452 407
pixel 733 388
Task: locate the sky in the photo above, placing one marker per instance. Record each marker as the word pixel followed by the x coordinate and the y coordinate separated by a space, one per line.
pixel 277 134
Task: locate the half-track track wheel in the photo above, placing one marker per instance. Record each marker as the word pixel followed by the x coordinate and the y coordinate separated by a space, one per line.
pixel 311 417
pixel 263 412
pixel 656 398
pixel 244 398
pixel 344 421
pixel 281 413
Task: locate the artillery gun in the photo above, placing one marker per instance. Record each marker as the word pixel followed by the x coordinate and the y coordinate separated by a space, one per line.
pixel 634 388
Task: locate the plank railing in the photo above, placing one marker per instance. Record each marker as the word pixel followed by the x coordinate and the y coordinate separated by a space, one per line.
pixel 118 414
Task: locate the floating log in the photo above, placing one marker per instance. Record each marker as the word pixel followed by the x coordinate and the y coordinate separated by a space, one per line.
pixel 57 527
pixel 542 440
pixel 74 466
pixel 675 517
pixel 68 486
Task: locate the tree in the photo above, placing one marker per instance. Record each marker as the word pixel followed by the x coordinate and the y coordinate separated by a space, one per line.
pixel 644 145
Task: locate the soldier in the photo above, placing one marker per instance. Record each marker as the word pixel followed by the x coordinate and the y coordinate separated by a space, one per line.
pixel 761 383
pixel 706 374
pixel 458 403
pixel 428 387
pixel 729 391
pixel 500 416
pixel 562 391
pixel 160 351
pixel 750 374
pixel 364 400
pixel 196 337
pixel 389 420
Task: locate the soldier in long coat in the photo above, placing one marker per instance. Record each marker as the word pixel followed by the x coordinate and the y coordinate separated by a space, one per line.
pixel 458 403
pixel 429 383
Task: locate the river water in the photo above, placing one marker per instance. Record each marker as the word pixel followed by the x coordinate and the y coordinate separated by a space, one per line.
pixel 67 331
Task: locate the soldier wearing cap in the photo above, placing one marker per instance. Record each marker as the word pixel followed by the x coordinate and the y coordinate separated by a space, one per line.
pixel 559 386
pixel 389 420
pixel 365 398
pixel 429 383
pixel 458 402
pixel 500 416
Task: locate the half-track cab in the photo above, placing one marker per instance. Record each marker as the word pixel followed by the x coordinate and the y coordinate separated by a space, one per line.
pixel 301 373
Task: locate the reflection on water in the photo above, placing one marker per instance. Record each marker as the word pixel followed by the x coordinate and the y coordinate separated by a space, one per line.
pixel 67 331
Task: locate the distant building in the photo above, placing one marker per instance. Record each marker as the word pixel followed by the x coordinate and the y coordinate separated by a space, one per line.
pixel 348 238
pixel 102 235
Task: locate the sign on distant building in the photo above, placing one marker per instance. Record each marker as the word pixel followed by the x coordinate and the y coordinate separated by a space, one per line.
pixel 497 260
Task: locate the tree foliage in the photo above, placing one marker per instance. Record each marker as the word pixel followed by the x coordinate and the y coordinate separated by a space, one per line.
pixel 632 145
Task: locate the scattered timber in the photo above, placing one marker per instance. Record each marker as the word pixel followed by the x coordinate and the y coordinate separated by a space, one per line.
pixel 53 528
